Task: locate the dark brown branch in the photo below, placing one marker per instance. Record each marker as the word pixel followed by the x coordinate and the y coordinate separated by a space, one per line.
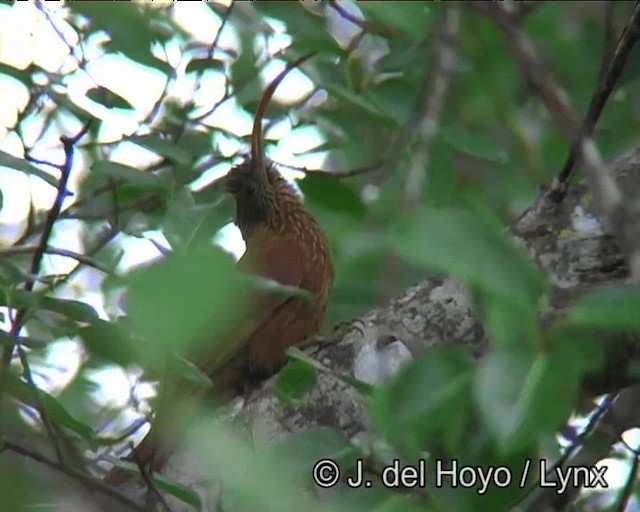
pixel 69 146
pixel 88 481
pixel 148 480
pixel 616 216
pixel 607 82
pixel 609 42
pixel 627 490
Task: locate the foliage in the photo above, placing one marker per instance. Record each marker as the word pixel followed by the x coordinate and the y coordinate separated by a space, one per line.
pixel 136 164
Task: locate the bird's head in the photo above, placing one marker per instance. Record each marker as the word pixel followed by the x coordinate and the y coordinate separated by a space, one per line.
pixel 254 183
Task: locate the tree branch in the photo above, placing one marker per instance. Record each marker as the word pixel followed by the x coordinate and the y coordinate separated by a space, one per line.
pixel 434 102
pixel 88 481
pixel 82 258
pixel 618 216
pixel 17 323
pixel 606 84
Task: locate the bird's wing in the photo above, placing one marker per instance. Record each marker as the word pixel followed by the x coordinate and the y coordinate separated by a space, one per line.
pixel 273 257
pixel 280 258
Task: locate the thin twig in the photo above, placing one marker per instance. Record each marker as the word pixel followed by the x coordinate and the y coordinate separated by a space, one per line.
pixel 338 175
pixel 148 480
pixel 430 112
pixel 87 480
pixel 44 417
pixel 72 48
pixel 609 42
pixel 618 216
pixel 82 258
pixel 627 490
pixel 239 86
pixel 31 159
pixel 600 424
pixel 362 23
pixel 223 22
pixel 68 145
pixel 158 103
pixel 200 73
pixel 606 84
pixel 18 321
pixel 103 239
pixel 397 147
pixel 425 124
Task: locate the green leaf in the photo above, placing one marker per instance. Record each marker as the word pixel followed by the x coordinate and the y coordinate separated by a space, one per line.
pixel 74 309
pixel 265 285
pixel 187 302
pixel 110 341
pixel 440 184
pixel 251 476
pixel 20 164
pixel 614 308
pixel 190 372
pixel 127 25
pixel 130 174
pixel 187 222
pixel 244 71
pixel 335 195
pixel 299 355
pixel 507 322
pixel 513 388
pixel 196 142
pixel 205 64
pixel 413 19
pixel 302 449
pixel 59 414
pixel 398 503
pixel 466 245
pixel 21 75
pixel 308 30
pixel 474 144
pixel 181 492
pixel 108 98
pixel 162 147
pixel 294 381
pixel 362 103
pixel 55 410
pixel 430 396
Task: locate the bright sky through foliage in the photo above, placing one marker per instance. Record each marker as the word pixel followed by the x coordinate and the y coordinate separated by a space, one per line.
pixel 28 36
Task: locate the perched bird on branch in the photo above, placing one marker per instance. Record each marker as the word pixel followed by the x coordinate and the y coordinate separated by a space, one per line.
pixel 284 243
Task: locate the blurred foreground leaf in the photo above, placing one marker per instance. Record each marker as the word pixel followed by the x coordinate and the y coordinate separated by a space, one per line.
pixel 187 298
pixel 608 308
pixel 430 397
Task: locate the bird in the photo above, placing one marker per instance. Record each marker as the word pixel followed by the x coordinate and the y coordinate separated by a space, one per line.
pixel 284 243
